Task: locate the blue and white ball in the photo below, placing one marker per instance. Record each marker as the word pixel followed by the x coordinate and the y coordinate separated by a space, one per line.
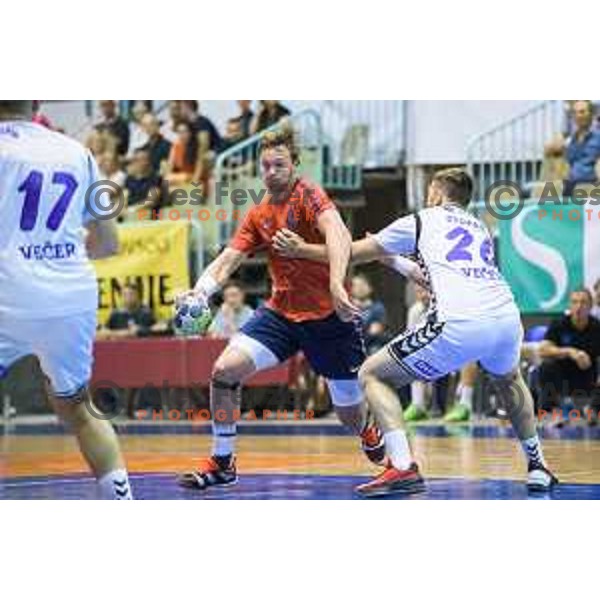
pixel 192 317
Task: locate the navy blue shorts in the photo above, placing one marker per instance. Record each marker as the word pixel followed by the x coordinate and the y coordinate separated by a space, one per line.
pixel 333 348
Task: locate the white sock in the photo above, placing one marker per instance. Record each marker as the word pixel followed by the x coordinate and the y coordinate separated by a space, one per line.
pixel 466 396
pixel 417 394
pixel 115 486
pixel 533 450
pixel 398 449
pixel 224 438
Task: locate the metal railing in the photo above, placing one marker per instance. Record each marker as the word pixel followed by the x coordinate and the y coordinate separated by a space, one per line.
pixel 368 133
pixel 514 149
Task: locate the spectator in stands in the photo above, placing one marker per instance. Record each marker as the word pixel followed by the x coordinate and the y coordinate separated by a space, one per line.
pixel 209 138
pixel 417 411
pixel 143 185
pixel 157 146
pixel 372 313
pixel 570 354
pixel 112 123
pixel 110 169
pixel 209 143
pixel 233 133
pixel 137 134
pixel 134 319
pixel 271 112
pixel 595 312
pixel 38 116
pixel 233 313
pixel 245 117
pixel 169 129
pixel 101 142
pixel 463 406
pixel 581 149
pixel 183 156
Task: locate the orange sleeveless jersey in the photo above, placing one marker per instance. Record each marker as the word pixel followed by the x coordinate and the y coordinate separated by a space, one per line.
pixel 300 289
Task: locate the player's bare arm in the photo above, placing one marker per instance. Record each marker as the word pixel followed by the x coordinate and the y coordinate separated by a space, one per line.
pixel 216 274
pixel 290 244
pixel 549 349
pixel 339 244
pixel 102 239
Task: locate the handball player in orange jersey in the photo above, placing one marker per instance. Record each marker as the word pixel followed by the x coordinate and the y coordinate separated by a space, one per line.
pixel 309 310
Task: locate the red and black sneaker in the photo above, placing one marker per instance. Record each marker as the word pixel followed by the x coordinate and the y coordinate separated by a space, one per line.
pixel 214 472
pixel 372 443
pixel 394 481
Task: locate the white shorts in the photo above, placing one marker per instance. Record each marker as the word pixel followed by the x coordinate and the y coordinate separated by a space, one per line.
pixel 63 345
pixel 432 350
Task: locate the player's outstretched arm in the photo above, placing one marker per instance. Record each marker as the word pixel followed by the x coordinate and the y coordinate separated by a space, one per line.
pixel 102 239
pixel 406 267
pixel 218 272
pixel 290 244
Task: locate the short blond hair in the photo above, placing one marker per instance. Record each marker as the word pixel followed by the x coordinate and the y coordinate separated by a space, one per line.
pixel 456 183
pixel 282 136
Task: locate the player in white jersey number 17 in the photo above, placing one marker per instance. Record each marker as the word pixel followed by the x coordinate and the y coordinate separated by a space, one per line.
pixel 48 288
pixel 472 318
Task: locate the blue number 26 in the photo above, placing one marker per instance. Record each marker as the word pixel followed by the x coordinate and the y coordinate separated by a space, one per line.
pixel 461 250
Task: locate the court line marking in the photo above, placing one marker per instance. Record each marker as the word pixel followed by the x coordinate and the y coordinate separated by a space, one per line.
pixel 82 479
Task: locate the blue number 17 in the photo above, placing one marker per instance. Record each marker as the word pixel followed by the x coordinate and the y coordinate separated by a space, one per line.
pixel 32 188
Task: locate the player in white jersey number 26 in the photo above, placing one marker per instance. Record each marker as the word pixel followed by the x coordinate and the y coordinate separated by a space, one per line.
pixel 472 317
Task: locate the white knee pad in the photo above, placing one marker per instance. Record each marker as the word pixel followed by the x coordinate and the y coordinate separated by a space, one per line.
pixel 261 356
pixel 345 392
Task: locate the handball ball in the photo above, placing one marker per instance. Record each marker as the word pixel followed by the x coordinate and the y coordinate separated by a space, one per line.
pixel 192 318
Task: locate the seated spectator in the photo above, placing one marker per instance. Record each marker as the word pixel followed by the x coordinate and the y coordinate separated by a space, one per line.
pixel 209 142
pixel 157 146
pixel 245 117
pixel 38 116
pixel 208 135
pixel 232 314
pixel 581 149
pixel 142 185
pixel 372 313
pixel 233 133
pixel 271 112
pixel 183 156
pixel 137 134
pixel 570 354
pixel 132 320
pixel 110 169
pixel 101 142
pixel 418 309
pixel 112 123
pixel 169 129
pixel 595 312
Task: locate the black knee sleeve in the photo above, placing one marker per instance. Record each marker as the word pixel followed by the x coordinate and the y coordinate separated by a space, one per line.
pixel 219 384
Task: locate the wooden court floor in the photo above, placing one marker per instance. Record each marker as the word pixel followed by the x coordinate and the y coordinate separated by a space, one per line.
pixel 474 455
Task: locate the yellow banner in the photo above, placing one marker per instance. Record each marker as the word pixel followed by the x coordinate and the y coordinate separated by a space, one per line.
pixel 153 256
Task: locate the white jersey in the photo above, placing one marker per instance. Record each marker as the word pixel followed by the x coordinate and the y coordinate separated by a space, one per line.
pixel 44 268
pixel 456 254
